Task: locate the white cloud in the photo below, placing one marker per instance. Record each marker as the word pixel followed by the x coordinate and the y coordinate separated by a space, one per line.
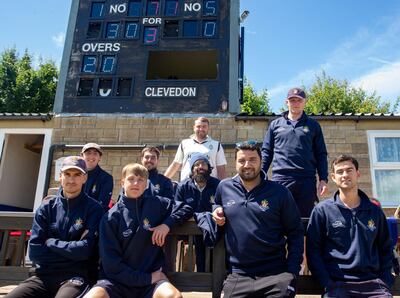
pixel 364 59
pixel 59 39
pixel 384 80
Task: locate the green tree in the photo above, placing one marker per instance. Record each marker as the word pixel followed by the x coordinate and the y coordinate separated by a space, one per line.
pixel 254 103
pixel 23 88
pixel 329 95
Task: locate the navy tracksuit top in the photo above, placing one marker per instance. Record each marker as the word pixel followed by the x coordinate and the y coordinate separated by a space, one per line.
pixel 162 186
pixel 295 151
pixel 349 244
pixel 64 234
pixel 193 199
pixel 126 250
pixel 259 225
pixel 99 186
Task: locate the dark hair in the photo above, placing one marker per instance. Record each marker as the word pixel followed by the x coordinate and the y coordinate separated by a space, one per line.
pixel 250 145
pixel 151 150
pixel 343 158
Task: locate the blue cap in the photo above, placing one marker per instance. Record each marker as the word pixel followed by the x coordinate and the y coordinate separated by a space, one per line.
pixel 74 162
pixel 196 157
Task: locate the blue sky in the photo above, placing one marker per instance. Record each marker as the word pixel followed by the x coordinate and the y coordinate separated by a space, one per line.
pixel 288 42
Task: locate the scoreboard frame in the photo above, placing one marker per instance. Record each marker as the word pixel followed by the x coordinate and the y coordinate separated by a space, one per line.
pixel 152 62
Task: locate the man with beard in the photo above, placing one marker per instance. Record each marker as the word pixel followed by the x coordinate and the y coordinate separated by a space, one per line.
pixel 199 142
pixel 197 194
pixel 162 186
pixel 260 219
pixel 99 184
pixel 348 243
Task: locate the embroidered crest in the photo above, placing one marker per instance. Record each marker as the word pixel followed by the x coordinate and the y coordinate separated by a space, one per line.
pixel 146 223
pixel 78 223
pixel 337 224
pixel 264 204
pixel 295 91
pixel 306 129
pixel 371 225
pixel 230 203
pixel 157 187
pixel 94 188
pixel 212 199
pixel 126 233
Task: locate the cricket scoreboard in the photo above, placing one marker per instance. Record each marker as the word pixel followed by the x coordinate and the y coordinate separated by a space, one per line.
pixel 150 56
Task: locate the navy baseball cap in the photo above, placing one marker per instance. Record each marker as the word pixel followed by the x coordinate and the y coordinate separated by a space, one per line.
pixel 296 92
pixel 74 162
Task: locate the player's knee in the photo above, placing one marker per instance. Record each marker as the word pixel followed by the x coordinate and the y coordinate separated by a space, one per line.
pixel 97 292
pixel 167 291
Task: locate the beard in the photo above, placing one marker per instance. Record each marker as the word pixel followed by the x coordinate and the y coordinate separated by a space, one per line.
pixel 201 177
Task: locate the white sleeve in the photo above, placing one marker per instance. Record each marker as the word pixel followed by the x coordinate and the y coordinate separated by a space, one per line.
pixel 221 160
pixel 179 154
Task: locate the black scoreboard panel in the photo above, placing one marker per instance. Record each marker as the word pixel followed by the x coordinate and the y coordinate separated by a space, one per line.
pixel 140 56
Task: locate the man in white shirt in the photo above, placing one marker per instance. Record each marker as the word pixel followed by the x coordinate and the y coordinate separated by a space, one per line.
pixel 199 142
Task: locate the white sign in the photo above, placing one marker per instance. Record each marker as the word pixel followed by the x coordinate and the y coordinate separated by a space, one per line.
pixel 170 92
pixel 101 47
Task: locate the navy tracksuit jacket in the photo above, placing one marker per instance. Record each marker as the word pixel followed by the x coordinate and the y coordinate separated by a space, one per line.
pixel 259 225
pixel 295 151
pixel 162 186
pixel 99 186
pixel 349 244
pixel 64 234
pixel 126 250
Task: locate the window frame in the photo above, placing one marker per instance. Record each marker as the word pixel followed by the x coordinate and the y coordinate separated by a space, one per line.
pixel 376 165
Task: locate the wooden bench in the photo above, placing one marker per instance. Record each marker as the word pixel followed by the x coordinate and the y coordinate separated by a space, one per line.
pixel 184 281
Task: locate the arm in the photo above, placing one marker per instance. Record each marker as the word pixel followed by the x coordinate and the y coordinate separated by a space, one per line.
pixel 172 169
pixel 294 233
pixel 106 192
pixel 315 238
pixel 81 249
pixel 320 154
pixel 38 251
pixel 385 251
pixel 218 212
pixel 181 211
pixel 221 172
pixel 267 151
pixel 111 254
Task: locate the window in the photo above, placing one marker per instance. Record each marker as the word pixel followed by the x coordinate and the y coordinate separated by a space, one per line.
pixel 132 30
pixel 108 64
pixel 384 150
pixel 89 64
pixel 171 29
pixel 190 29
pixel 135 8
pixel 85 87
pixel 153 8
pixel 171 8
pixel 210 8
pixel 150 35
pixel 94 30
pixel 112 30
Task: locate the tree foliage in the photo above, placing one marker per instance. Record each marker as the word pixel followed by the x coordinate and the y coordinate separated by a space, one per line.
pixel 254 103
pixel 23 88
pixel 329 95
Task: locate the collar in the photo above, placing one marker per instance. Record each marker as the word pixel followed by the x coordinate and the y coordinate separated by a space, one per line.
pixel 72 203
pixel 365 203
pixel 303 117
pixel 94 171
pixel 263 175
pixel 132 203
pixel 153 173
pixel 204 141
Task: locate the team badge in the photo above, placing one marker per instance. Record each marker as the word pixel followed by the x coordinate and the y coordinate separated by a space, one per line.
pixel 337 224
pixel 371 225
pixel 78 223
pixel 157 187
pixel 212 199
pixel 306 129
pixel 264 205
pixel 146 223
pixel 295 91
pixel 94 188
pixel 230 203
pixel 126 233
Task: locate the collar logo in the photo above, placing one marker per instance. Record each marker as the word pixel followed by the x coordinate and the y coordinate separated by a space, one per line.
pixel 212 199
pixel 126 233
pixel 264 204
pixel 306 129
pixel 146 223
pixel 371 225
pixel 157 187
pixel 94 188
pixel 230 203
pixel 78 223
pixel 337 224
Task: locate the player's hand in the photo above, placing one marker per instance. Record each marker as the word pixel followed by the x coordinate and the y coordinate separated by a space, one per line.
pixel 219 216
pixel 159 234
pixel 156 276
pixel 322 188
